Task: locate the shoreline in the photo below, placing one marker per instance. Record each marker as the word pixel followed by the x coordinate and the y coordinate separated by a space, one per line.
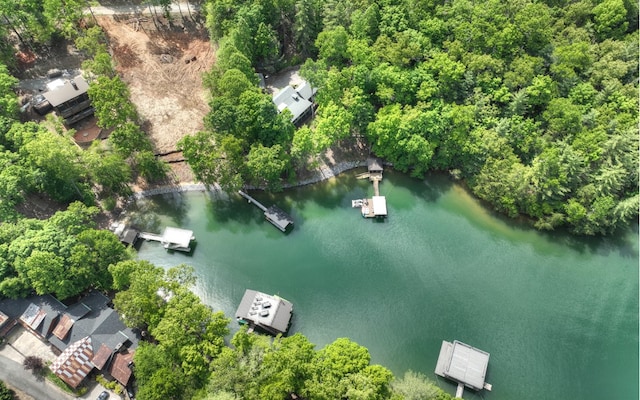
pixel 323 173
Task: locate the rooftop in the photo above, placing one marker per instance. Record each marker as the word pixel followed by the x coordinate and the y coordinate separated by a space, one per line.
pixel 462 363
pixel 296 100
pixel 279 218
pixel 63 90
pixel 74 364
pixel 270 313
pixel 176 237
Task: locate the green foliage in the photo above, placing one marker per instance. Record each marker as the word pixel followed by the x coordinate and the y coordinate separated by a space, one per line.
pixel 416 386
pixel 526 99
pixel 63 255
pixel 6 393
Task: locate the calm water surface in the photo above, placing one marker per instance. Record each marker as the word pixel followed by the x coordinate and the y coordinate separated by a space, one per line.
pixel 559 315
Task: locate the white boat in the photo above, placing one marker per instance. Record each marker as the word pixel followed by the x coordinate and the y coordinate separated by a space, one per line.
pixel 357 203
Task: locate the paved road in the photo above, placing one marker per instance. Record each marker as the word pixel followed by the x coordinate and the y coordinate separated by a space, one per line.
pixel 13 373
pixel 143 9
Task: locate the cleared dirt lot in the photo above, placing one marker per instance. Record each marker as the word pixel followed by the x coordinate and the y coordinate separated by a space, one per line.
pixel 163 68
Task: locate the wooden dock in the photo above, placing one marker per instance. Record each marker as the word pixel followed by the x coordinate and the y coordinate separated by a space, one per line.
pixel 375 207
pixel 273 214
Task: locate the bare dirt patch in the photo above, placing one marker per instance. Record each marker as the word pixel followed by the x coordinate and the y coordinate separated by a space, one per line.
pixel 166 89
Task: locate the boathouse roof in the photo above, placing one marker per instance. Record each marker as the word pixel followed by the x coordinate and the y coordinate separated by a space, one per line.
pixel 379 206
pixel 177 237
pixel 463 363
pixel 374 165
pixel 270 313
pixel 279 218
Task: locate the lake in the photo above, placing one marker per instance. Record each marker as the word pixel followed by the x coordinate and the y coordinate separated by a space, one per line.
pixel 558 314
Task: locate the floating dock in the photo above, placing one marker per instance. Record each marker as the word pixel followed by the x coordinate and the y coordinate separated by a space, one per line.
pixel 172 238
pixel 463 364
pixel 376 206
pixel 273 214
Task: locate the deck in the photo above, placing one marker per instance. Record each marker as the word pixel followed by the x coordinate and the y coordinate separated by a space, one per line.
pixel 376 206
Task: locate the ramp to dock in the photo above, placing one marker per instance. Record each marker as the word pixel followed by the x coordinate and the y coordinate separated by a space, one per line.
pixel 150 236
pixel 252 200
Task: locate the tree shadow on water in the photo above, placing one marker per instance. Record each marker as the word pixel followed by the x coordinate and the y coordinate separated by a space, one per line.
pixel 222 209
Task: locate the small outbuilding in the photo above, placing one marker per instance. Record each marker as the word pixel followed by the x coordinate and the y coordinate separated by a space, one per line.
pixel 463 364
pixel 271 314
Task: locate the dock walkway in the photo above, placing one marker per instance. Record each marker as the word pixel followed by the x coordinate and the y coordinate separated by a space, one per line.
pixel 276 216
pixel 150 236
pixel 252 200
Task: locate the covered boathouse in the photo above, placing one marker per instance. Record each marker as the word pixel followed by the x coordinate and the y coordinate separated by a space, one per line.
pixel 271 314
pixel 463 364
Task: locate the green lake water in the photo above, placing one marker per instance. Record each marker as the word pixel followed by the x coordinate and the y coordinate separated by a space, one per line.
pixel 558 314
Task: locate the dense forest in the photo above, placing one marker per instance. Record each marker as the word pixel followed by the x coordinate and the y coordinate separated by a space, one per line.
pixel 533 104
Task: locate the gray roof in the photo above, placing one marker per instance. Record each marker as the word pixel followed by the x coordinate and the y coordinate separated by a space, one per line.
pixel 374 165
pixel 279 218
pixel 297 101
pixel 271 313
pixel 462 363
pixel 92 315
pixel 67 91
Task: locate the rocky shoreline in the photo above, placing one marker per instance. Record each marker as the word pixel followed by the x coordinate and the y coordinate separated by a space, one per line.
pixel 324 172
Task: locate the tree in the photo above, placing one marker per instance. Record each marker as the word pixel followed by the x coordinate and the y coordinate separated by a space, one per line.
pixel 6 393
pixel 110 99
pixel 141 305
pixel 332 45
pixel 8 98
pixel 416 386
pixel 610 18
pixel 266 165
pixel 33 363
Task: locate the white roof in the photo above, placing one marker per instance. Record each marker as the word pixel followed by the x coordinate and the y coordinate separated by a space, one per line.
pixel 177 236
pixel 379 205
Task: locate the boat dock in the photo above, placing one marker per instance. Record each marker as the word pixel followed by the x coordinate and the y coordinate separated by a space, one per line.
pixel 273 214
pixel 463 364
pixel 171 238
pixel 376 206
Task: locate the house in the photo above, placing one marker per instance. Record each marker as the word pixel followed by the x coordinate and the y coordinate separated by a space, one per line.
pixel 88 334
pixel 271 314
pixel 69 98
pixel 299 101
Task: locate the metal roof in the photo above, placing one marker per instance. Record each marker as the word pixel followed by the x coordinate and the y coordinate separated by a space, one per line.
pixel 69 89
pixel 74 364
pixel 177 236
pixel 271 313
pixel 379 205
pixel 463 363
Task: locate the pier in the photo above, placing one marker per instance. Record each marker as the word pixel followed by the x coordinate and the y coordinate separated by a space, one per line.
pixel 273 214
pixel 376 206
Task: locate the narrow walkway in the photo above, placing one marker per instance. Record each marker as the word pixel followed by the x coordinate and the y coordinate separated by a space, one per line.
pixel 150 236
pixel 252 200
